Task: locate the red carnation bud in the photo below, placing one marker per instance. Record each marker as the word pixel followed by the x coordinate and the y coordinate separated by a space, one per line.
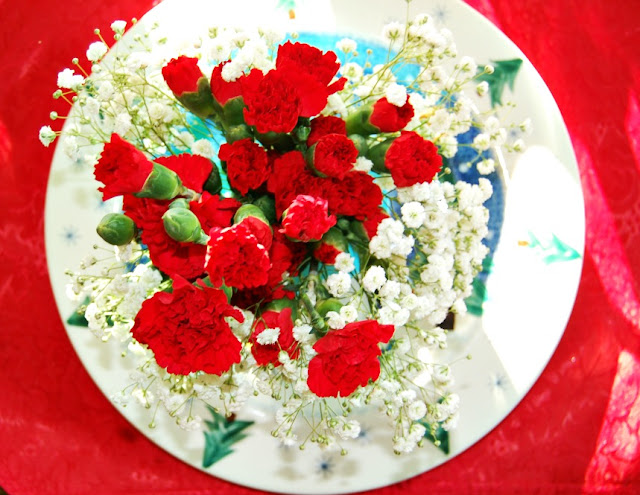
pixel 122 168
pixel 307 218
pixel 333 155
pixel 189 85
pixel 382 117
pixel 222 90
pixel 182 74
pixel 390 118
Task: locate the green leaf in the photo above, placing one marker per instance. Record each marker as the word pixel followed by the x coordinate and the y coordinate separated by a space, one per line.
pixel 504 73
pixel 77 317
pixel 440 438
pixel 223 433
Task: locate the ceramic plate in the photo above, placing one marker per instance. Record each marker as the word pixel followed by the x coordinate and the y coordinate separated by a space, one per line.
pixel 526 299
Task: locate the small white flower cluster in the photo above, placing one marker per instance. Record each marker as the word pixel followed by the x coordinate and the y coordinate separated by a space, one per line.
pixel 116 296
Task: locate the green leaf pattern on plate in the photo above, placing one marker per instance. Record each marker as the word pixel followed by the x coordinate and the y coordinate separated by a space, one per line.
pixel 504 73
pixel 554 251
pixel 221 435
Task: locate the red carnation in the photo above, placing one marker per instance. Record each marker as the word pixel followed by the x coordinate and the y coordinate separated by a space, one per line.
pixel 122 168
pixel 214 211
pixel 261 230
pixel 323 125
pixel 268 353
pixel 357 195
pixel 193 170
pixel 326 253
pixel 306 58
pixel 309 71
pixel 372 221
pixel 390 118
pixel 307 218
pixel 285 256
pixel 247 164
pixel 273 104
pixel 334 155
pixel 411 159
pixel 290 177
pixel 236 258
pixel 223 90
pixel 187 331
pixel 182 74
pixel 347 358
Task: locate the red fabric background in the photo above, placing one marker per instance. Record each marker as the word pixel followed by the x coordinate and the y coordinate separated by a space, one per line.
pixel 577 431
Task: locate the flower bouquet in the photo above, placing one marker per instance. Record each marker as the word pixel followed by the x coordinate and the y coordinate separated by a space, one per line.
pixel 290 227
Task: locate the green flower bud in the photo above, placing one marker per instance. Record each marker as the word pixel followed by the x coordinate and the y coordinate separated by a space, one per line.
pixel 302 133
pixel 268 206
pixel 281 142
pixel 182 225
pixel 357 232
pixel 280 304
pixel 331 304
pixel 237 132
pixel 162 183
pixel 360 143
pixel 116 229
pixel 180 203
pixel 377 153
pixel 343 224
pixel 201 103
pixel 335 238
pixel 213 185
pixel 358 122
pixel 233 111
pixel 249 210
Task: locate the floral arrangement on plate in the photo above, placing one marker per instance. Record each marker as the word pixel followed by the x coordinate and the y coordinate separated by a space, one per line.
pixel 289 226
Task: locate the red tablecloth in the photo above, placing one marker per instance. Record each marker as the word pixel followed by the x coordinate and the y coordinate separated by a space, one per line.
pixel 576 431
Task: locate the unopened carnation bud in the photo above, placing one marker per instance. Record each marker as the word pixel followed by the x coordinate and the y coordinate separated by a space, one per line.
pixel 182 225
pixel 237 132
pixel 249 210
pixel 268 206
pixel 377 155
pixel 233 113
pixel 278 305
pixel 117 229
pixel 360 143
pixel 180 203
pixel 189 85
pixel 162 183
pixel 331 304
